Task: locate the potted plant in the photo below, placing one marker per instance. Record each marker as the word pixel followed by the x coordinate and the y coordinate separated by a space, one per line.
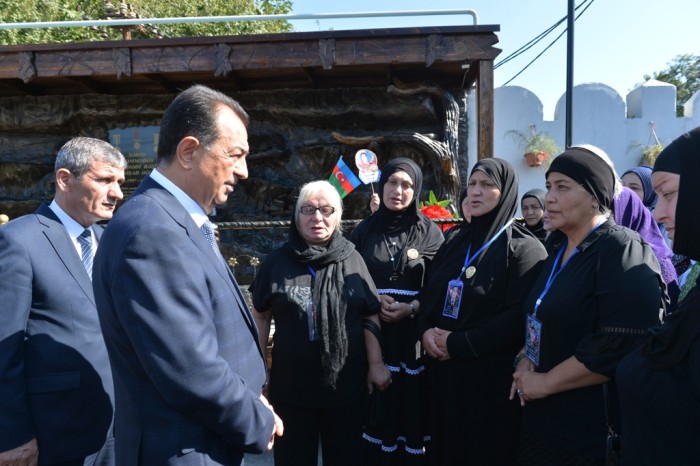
pixel 538 148
pixel 649 154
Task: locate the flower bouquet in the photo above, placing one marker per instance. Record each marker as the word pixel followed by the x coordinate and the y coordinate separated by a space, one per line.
pixel 434 209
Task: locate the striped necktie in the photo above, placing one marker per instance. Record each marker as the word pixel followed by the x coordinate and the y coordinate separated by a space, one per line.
pixel 209 235
pixel 85 240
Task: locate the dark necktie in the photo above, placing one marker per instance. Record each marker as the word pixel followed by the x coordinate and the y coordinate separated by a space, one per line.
pixel 209 235
pixel 85 240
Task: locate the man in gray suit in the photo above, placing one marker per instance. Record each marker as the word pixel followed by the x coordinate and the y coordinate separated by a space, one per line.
pixel 187 368
pixel 56 391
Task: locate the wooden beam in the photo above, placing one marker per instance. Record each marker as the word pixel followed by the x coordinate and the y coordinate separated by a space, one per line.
pixel 484 104
pixel 91 84
pixel 163 83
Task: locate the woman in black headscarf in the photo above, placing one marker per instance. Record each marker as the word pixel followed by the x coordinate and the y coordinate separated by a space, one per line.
pixel 532 207
pixel 397 243
pixel 595 296
pixel 318 290
pixel 471 325
pixel 659 384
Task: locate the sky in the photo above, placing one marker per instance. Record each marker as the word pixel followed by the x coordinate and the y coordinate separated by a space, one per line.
pixel 616 42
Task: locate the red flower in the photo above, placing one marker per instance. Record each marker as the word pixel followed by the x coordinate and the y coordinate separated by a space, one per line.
pixel 437 211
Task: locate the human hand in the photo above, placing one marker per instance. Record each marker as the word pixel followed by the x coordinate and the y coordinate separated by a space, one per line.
pixel 429 344
pixel 531 385
pixel 441 342
pixel 374 202
pixel 279 426
pixel 24 455
pixel 395 311
pixel 525 365
pixel 378 375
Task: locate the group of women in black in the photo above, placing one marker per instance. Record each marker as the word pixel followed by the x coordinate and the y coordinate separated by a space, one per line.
pixel 495 350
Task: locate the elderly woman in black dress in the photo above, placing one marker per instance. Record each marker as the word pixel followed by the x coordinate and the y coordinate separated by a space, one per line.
pixel 489 264
pixel 659 383
pixel 318 290
pixel 397 243
pixel 596 295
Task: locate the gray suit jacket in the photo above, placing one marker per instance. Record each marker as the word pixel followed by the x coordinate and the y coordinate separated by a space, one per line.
pixel 56 381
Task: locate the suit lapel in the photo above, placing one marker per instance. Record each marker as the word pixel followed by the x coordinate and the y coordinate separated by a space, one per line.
pixel 60 241
pixel 180 215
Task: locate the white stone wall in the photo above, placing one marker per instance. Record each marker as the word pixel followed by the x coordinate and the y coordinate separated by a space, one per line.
pixel 600 117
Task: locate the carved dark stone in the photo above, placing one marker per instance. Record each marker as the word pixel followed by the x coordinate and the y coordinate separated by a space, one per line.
pixel 291 136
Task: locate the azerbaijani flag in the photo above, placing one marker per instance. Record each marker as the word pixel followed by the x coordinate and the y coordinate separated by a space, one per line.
pixel 343 179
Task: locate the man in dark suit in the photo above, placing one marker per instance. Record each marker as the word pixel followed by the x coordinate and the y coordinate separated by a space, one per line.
pixel 56 391
pixel 187 367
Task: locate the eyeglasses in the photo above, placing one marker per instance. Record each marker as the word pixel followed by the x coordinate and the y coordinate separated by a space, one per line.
pixel 326 210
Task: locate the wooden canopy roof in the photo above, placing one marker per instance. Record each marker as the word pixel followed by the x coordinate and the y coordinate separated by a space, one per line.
pixel 452 57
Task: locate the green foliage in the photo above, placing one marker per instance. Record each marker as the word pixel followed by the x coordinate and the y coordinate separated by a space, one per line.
pixel 684 73
pixel 532 141
pixel 649 154
pixel 15 11
pixel 433 200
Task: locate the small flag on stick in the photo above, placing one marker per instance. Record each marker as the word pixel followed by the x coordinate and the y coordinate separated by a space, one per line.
pixel 343 179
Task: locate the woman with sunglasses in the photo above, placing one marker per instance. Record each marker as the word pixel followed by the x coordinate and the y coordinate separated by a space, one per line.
pixel 317 288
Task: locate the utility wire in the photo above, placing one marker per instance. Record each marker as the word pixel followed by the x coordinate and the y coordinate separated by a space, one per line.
pixel 590 2
pixel 536 39
pixel 530 44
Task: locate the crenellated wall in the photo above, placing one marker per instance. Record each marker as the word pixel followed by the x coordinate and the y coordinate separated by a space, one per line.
pixel 621 127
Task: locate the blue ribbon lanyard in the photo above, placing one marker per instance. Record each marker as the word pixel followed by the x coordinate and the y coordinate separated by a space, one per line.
pixel 556 271
pixel 313 272
pixel 553 276
pixel 469 259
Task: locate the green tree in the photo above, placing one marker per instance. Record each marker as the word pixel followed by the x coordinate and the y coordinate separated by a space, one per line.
pixel 15 11
pixel 684 73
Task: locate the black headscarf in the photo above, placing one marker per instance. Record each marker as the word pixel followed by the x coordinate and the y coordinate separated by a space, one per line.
pixel 682 158
pixel 537 229
pixel 328 263
pixel 506 179
pixel 387 221
pixel 669 344
pixel 589 170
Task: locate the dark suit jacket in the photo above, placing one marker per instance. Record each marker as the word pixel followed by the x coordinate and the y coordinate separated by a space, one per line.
pixel 187 366
pixel 55 380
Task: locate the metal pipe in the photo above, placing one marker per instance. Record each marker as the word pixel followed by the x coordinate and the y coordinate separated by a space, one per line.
pixel 569 75
pixel 224 19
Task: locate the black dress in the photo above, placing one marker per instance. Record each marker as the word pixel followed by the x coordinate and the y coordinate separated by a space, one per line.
pixel 472 420
pixel 400 436
pixel 661 408
pixel 297 391
pixel 597 309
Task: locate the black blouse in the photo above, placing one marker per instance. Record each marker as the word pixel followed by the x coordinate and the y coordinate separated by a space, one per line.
pixel 599 306
pixel 490 313
pixel 375 249
pixel 284 285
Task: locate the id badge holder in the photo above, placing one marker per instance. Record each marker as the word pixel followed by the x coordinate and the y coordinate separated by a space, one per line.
pixel 533 332
pixel 453 298
pixel 311 320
